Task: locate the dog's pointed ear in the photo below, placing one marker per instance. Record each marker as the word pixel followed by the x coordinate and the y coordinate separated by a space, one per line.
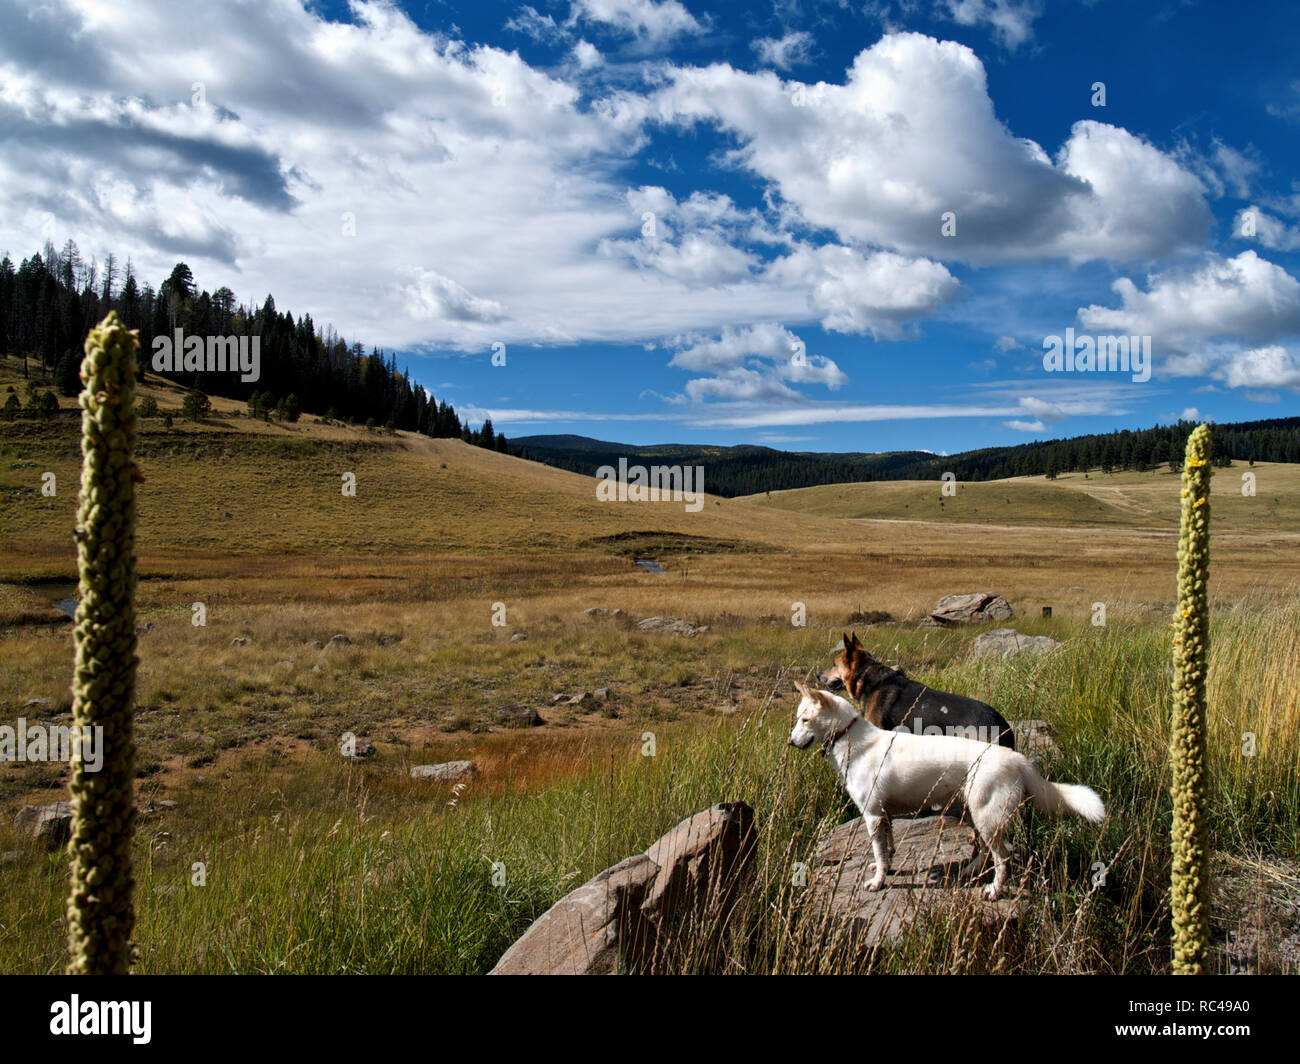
pixel 857 643
pixel 848 640
pixel 800 688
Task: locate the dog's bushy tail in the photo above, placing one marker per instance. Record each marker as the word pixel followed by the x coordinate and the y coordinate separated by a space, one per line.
pixel 1063 797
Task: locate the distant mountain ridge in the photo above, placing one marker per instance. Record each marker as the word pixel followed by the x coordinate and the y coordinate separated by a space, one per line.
pixel 748 469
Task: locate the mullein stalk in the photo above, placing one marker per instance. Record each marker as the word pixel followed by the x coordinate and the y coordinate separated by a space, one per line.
pixel 1189 886
pixel 101 909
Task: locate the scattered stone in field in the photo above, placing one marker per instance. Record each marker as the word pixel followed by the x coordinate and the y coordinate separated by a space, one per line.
pixel 866 617
pixel 50 824
pixel 518 637
pixel 39 703
pixel 672 625
pixel 1034 740
pixel 316 643
pixel 579 698
pixel 601 613
pixel 168 803
pixel 141 629
pixel 285 662
pixel 519 715
pixel 558 697
pixel 340 640
pixel 617 920
pixel 388 640
pixel 361 748
pixel 447 771
pixel 239 641
pixel 316 667
pixel 600 694
pixel 10 857
pixel 968 609
pixel 1007 642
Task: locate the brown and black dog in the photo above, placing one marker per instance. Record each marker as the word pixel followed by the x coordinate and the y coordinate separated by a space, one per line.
pixel 889 700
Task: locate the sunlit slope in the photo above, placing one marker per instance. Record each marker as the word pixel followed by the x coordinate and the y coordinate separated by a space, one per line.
pixel 233 485
pixel 1128 500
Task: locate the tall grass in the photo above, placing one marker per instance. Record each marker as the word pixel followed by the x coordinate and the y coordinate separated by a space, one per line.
pixel 322 866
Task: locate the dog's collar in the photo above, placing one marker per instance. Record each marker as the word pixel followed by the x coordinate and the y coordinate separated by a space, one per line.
pixel 826 746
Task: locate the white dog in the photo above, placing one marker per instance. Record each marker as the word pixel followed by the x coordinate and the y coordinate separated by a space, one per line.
pixel 889 773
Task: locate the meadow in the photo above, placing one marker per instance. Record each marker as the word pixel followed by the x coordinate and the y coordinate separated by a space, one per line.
pixel 316 864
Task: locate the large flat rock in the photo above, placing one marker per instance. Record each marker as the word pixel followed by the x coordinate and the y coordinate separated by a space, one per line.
pixel 923 880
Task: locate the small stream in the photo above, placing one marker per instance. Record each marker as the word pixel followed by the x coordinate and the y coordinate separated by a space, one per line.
pixel 651 565
pixel 61 593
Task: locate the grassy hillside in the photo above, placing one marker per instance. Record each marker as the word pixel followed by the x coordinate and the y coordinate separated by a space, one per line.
pixel 1115 500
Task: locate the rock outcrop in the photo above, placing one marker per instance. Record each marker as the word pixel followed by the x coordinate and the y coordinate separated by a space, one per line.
pixel 672 625
pixel 975 608
pixel 929 853
pixel 619 920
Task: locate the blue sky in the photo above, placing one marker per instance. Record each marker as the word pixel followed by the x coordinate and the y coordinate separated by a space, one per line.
pixel 817 225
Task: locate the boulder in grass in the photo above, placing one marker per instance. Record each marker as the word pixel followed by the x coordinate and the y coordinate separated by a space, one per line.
pixel 447 772
pixel 976 608
pixel 1034 740
pixel 518 715
pixel 1007 642
pixel 624 916
pixel 356 748
pixel 50 824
